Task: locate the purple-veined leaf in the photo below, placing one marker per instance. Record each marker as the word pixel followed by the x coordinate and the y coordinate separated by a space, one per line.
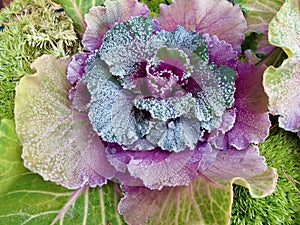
pixel 158 168
pixel 214 17
pixel 208 199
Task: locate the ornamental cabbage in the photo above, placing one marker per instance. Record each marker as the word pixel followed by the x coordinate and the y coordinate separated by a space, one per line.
pixel 154 104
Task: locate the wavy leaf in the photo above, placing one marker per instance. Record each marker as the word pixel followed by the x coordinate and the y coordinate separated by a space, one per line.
pixel 28 199
pixel 208 199
pixel 214 17
pixel 259 13
pixel 282 84
pixel 76 9
pixel 49 129
pixel 101 19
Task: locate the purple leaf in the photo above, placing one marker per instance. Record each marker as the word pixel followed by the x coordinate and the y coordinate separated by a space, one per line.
pixel 214 17
pixel 100 19
pixel 220 52
pixel 80 97
pixel 158 168
pixel 76 67
pixel 208 199
pixel 252 119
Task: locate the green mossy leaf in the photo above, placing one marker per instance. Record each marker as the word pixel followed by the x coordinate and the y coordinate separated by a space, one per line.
pixel 31 28
pixel 282 207
pixel 153 5
pixel 76 9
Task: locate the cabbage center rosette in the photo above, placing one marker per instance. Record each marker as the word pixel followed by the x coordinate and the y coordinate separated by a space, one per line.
pixel 160 106
pixel 155 89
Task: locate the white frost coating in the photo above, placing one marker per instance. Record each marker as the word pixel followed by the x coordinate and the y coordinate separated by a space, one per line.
pixel 111 109
pixel 176 135
pixel 217 85
pixel 111 115
pixel 129 43
pixel 282 84
pixel 58 142
pixel 131 104
pixel 166 109
pixel 182 39
pixel 173 171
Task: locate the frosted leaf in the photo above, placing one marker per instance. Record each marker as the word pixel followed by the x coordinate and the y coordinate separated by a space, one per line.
pixel 182 39
pixel 101 19
pixel 80 97
pixel 282 84
pixel 176 135
pixel 220 52
pixel 128 44
pixel 217 137
pixel 157 168
pixel 111 110
pixel 166 109
pixel 214 17
pixel 58 141
pixel 214 91
pixel 252 116
pixel 76 67
pixel 96 76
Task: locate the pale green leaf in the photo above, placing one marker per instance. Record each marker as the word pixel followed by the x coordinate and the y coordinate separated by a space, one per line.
pixel 27 199
pixel 204 201
pixel 58 141
pixel 284 29
pixel 282 84
pixel 201 203
pixel 76 9
pixel 259 13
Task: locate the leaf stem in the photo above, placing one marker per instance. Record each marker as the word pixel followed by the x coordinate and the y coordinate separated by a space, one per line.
pixel 71 200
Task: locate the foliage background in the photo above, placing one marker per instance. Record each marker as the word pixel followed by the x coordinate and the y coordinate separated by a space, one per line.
pixel 30 28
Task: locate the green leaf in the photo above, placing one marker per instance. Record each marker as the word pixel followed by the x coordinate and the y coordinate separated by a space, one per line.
pixel 58 141
pixel 28 199
pixel 282 84
pixel 259 13
pixel 76 9
pixel 202 202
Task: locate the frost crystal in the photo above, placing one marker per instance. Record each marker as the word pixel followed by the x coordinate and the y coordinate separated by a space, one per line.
pixel 155 89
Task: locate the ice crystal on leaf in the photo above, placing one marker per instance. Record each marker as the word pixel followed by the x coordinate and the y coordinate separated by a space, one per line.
pixel 282 84
pixel 154 104
pixel 138 61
